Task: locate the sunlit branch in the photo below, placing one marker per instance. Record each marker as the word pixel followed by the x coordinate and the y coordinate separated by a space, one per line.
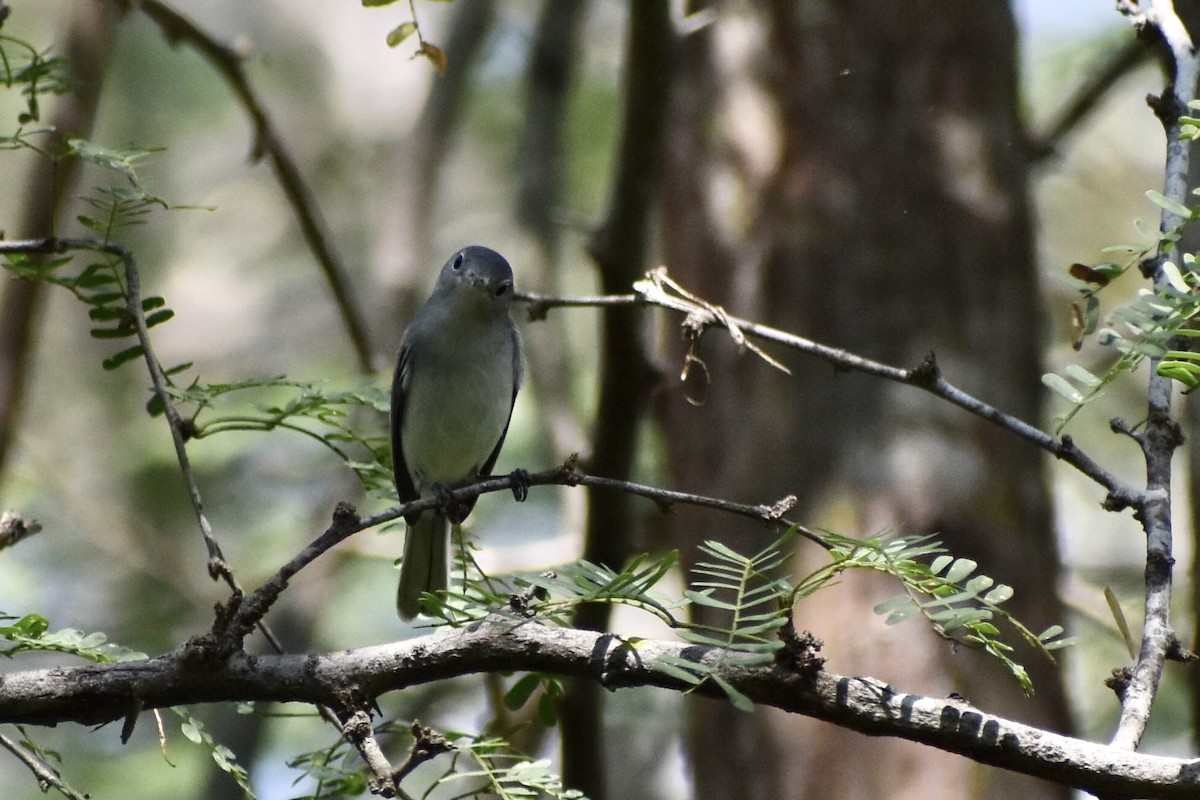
pixel 660 290
pixel 95 694
pixel 1161 435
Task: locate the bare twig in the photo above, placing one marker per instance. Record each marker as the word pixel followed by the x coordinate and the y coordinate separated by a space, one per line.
pixel 269 143
pixel 14 528
pixel 357 729
pixel 1162 433
pixel 1116 65
pixel 656 290
pixel 230 629
pixel 46 777
pixel 427 744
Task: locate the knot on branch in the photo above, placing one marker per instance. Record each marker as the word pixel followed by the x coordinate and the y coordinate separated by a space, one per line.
pixel 228 629
pixel 780 507
pixel 427 744
pixel 521 481
pixel 345 514
pixel 925 374
pixel 570 472
pixel 1167 108
pixel 537 310
pixel 218 570
pixel 1177 652
pixel 1118 501
pixel 1119 681
pixel 355 721
pixel 187 429
pixel 522 603
pixel 799 652
pixel 1119 425
pixel 1167 432
pixel 14 528
pixel 201 651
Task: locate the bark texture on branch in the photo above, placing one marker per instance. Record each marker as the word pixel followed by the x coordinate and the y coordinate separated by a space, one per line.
pixel 101 693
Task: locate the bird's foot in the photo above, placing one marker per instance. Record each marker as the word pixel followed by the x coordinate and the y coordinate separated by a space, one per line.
pixel 521 484
pixel 447 505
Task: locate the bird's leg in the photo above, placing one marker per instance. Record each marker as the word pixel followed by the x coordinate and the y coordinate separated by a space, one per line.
pixel 447 505
pixel 521 484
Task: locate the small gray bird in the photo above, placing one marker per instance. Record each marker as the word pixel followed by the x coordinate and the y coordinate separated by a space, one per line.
pixel 457 377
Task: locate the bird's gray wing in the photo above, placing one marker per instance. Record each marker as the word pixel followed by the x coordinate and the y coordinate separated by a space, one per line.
pixel 404 482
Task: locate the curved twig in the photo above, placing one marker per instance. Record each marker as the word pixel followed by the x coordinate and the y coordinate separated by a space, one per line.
pixel 268 142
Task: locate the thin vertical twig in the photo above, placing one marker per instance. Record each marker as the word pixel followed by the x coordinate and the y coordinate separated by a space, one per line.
pixel 1161 435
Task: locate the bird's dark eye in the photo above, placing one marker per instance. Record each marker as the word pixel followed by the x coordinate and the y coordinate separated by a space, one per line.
pixel 503 289
pixel 458 262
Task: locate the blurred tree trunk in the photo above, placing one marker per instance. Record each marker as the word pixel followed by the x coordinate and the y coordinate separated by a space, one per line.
pixel 48 196
pixel 853 171
pixel 620 247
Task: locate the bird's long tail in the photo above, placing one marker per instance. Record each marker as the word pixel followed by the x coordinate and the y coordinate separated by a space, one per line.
pixel 424 568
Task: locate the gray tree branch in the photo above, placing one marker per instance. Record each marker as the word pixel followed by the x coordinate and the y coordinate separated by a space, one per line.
pixel 93 695
pixel 658 289
pixel 1162 433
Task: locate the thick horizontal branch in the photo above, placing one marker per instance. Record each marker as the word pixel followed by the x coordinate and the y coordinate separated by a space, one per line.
pixel 96 694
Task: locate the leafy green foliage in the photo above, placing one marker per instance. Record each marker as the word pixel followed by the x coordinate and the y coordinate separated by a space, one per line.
pixel 31 634
pixel 471 767
pixel 50 760
pixel 330 417
pixel 1155 323
pixel 947 592
pixel 223 757
pixel 547 699
pixel 555 594
pixel 101 287
pixel 100 284
pixel 335 418
pixel 36 73
pixel 125 205
pixel 944 590
pixel 336 770
pixel 408 28
pixel 1140 329
pixel 756 603
pixel 501 772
